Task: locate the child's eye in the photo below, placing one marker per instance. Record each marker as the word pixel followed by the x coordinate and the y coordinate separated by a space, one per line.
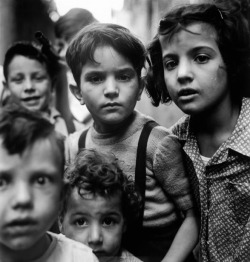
pixel 3 182
pixel 108 222
pixel 40 78
pixel 81 222
pixel 17 80
pixel 42 180
pixel 124 77
pixel 170 64
pixel 95 79
pixel 202 59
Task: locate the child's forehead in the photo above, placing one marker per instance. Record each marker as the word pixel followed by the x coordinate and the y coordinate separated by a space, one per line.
pixel 18 62
pixel 107 58
pixel 104 198
pixel 102 51
pixel 193 32
pixel 95 205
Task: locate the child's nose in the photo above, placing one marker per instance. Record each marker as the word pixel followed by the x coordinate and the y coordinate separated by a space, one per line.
pixel 111 88
pixel 28 85
pixel 22 196
pixel 185 73
pixel 95 236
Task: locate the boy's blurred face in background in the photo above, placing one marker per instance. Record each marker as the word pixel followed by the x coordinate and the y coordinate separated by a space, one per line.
pixel 29 83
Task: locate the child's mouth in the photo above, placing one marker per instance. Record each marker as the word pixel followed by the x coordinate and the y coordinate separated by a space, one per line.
pixel 30 98
pixel 186 92
pixel 24 226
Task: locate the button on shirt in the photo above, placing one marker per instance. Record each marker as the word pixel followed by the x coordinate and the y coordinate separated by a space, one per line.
pixel 222 190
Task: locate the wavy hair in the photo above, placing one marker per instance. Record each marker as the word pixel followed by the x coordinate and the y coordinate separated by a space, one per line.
pixel 232 38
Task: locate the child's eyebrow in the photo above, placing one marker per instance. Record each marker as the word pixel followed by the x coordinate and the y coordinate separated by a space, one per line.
pixel 191 51
pixel 170 55
pixel 112 213
pixel 118 70
pixel 5 173
pixel 126 70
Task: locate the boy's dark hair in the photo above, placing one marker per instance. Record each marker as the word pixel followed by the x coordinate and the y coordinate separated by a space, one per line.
pixel 82 47
pixel 32 51
pixel 72 22
pixel 232 39
pixel 96 173
pixel 20 128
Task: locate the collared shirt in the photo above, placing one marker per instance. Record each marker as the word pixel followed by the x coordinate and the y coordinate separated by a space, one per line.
pixel 222 190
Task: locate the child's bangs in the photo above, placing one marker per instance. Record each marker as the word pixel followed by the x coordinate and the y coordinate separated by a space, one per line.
pixel 176 21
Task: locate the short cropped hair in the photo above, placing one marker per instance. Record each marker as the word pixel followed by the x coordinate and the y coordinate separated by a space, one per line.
pixel 232 39
pixel 21 128
pixel 72 22
pixel 99 174
pixel 83 45
pixel 30 50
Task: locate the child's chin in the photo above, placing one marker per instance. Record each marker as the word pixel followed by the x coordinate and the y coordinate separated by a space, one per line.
pixel 103 258
pixel 21 243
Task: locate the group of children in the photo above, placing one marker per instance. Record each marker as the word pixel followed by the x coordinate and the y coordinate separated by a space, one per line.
pixel 132 189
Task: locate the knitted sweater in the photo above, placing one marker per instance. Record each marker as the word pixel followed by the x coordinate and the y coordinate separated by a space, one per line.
pixel 167 187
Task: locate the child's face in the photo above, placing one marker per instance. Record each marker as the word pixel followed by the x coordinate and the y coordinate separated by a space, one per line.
pixel 194 71
pixel 30 194
pixel 29 83
pixel 110 89
pixel 97 222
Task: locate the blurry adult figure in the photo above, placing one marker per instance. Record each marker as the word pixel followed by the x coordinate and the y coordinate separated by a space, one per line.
pixel 66 28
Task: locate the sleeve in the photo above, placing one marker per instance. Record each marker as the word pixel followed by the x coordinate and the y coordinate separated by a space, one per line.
pixel 169 170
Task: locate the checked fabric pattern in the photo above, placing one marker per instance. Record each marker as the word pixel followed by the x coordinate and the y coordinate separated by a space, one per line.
pixel 222 190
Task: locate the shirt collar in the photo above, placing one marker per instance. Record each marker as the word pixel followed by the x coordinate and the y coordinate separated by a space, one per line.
pixel 239 141
pixel 240 138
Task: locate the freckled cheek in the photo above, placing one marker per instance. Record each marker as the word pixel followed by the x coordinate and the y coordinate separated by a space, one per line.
pixel 219 76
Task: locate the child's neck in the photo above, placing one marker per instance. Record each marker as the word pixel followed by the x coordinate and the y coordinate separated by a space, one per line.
pixel 30 254
pixel 213 129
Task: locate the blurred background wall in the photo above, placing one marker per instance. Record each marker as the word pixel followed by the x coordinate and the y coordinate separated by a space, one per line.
pixel 20 19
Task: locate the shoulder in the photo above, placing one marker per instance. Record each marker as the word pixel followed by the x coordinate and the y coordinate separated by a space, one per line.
pixel 72 139
pixel 72 251
pixel 78 125
pixel 180 128
pixel 71 145
pixel 162 137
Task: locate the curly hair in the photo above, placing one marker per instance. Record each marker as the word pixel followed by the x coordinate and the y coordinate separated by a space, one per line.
pixel 96 173
pixel 232 38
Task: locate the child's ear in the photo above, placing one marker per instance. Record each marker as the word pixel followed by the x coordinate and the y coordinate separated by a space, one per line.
pixel 75 90
pixel 60 224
